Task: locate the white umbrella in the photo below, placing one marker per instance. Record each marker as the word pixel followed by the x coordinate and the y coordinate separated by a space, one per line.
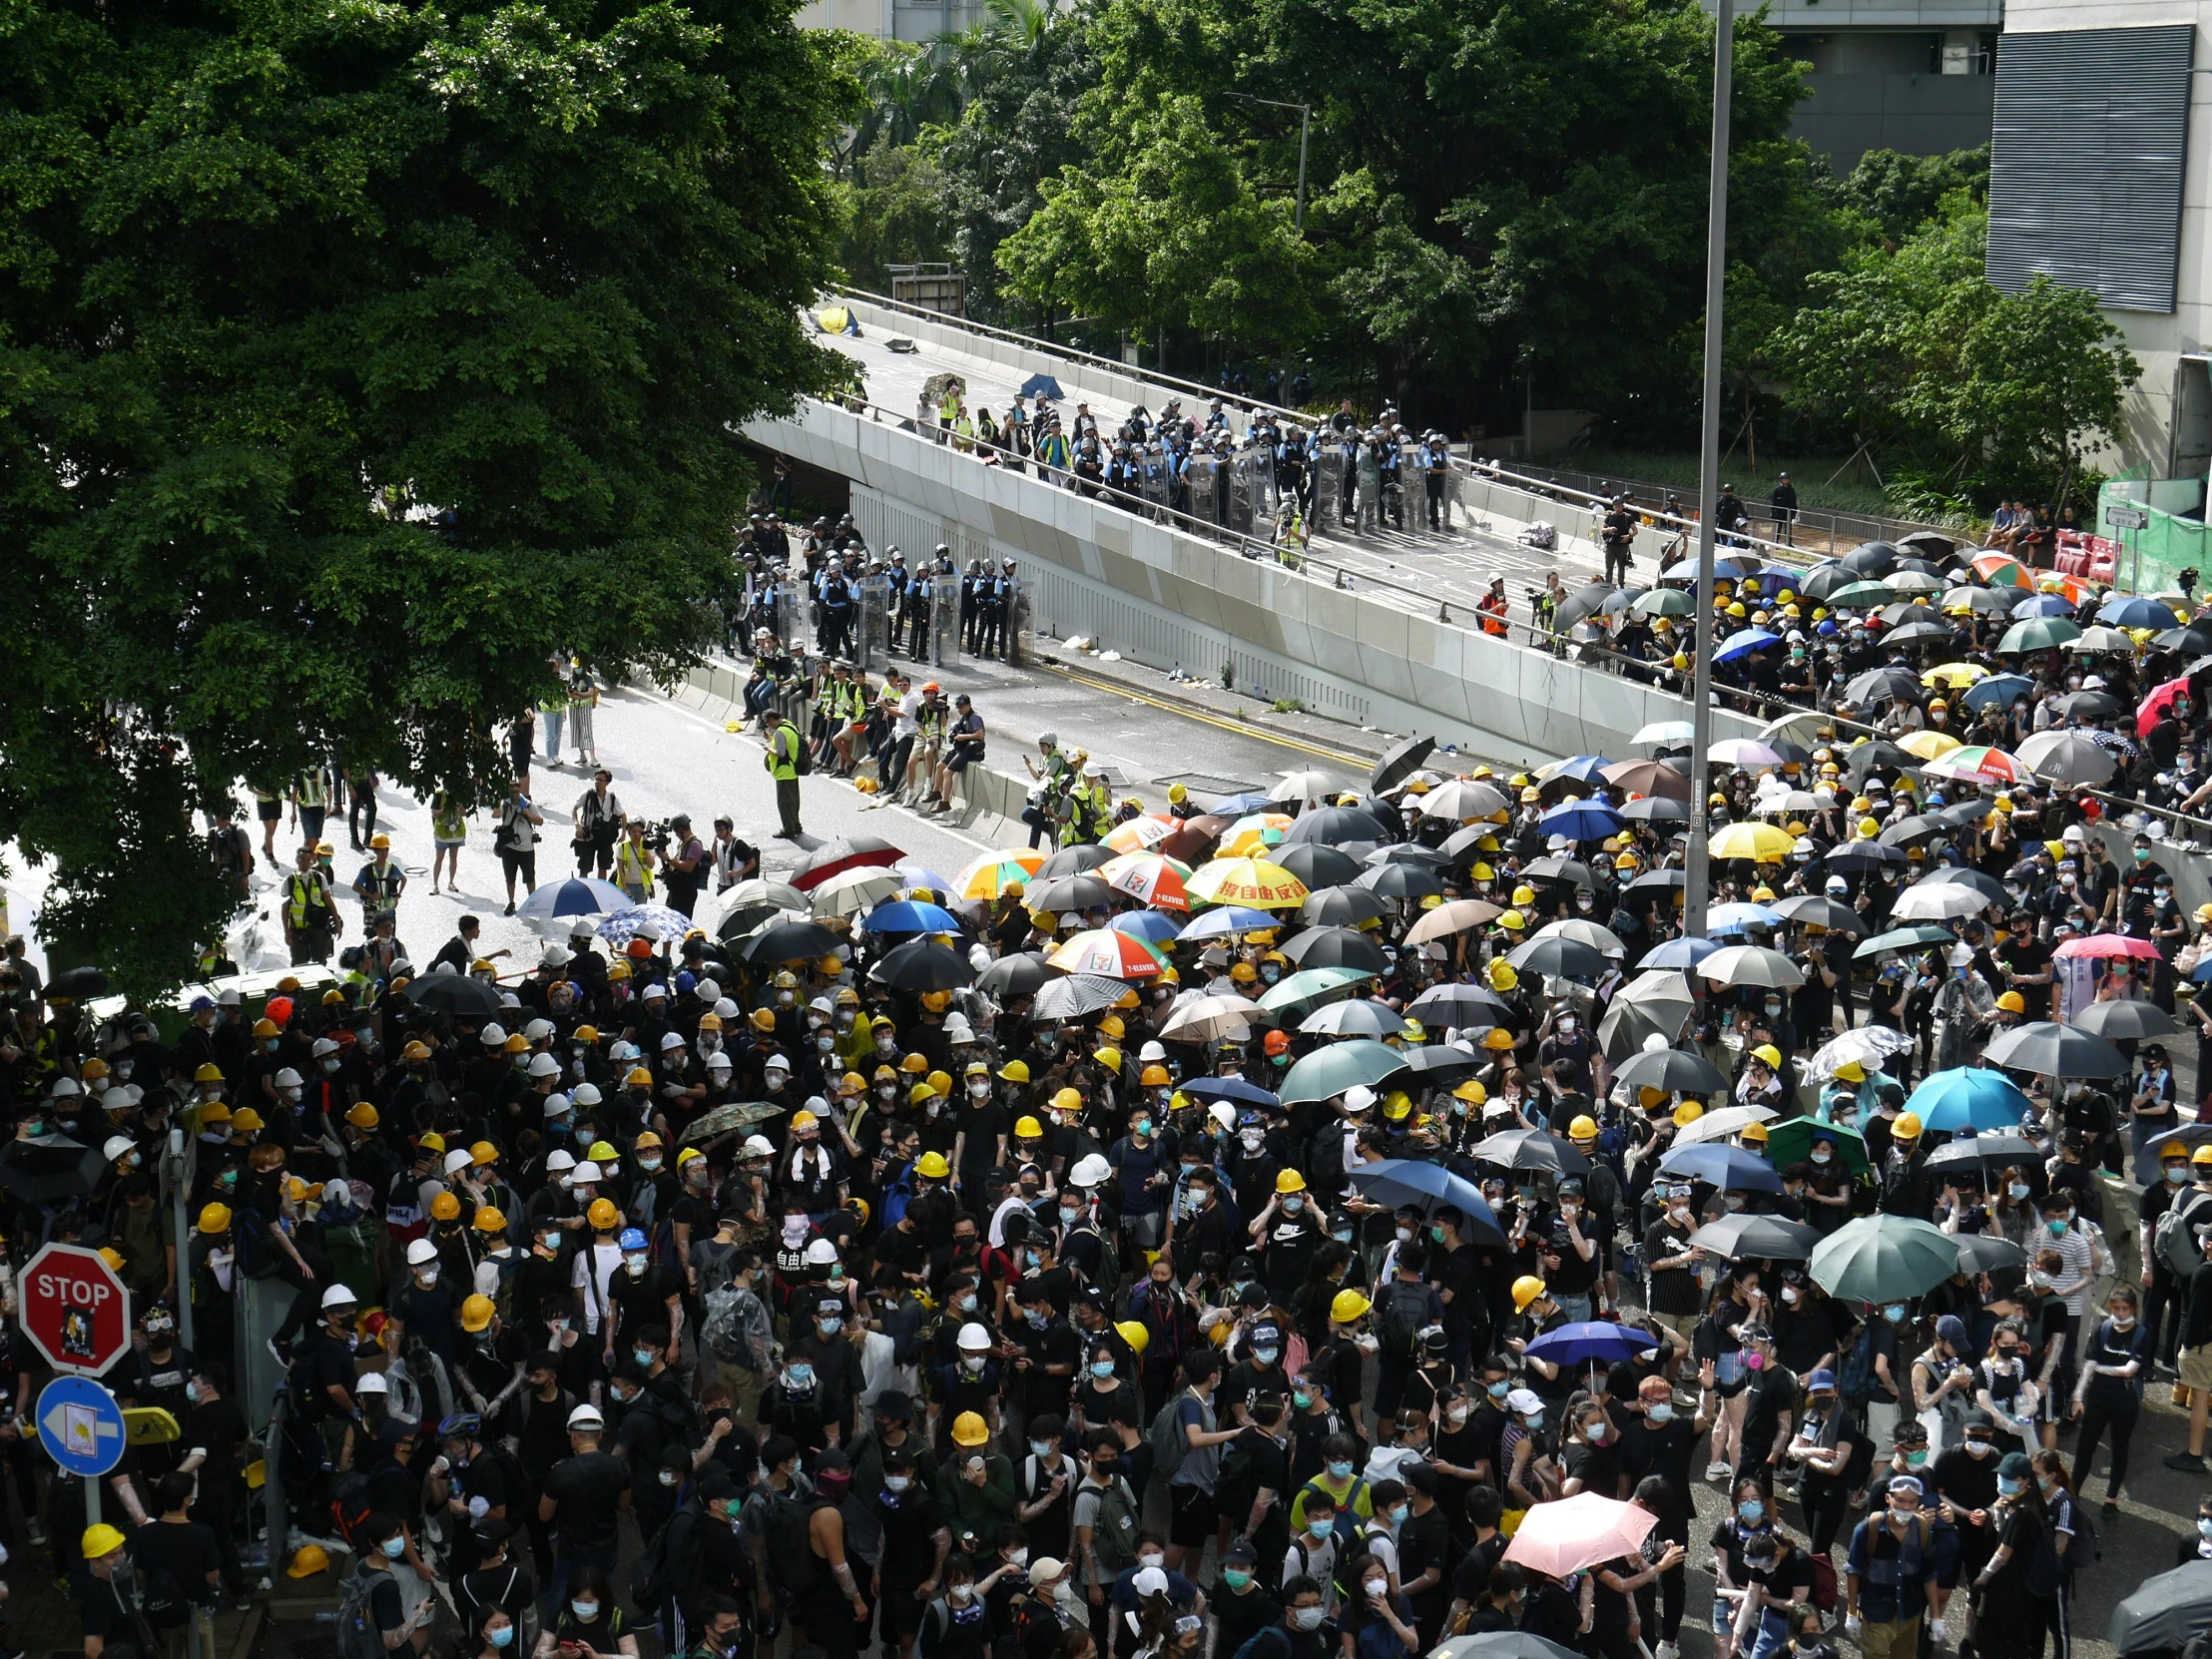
pixel 1869 1045
pixel 1938 902
pixel 1455 917
pixel 1717 1126
pixel 761 890
pixel 850 891
pixel 1665 734
pixel 1208 1019
pixel 1741 752
pixel 1583 931
pixel 1463 797
pixel 1308 787
pixel 1751 965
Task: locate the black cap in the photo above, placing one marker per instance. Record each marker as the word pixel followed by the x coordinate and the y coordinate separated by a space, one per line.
pixel 1241 1554
pixel 1421 1477
pixel 491 1531
pixel 829 1461
pixel 895 1404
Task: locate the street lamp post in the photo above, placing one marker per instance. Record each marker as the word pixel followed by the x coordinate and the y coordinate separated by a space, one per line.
pixel 1694 879
pixel 1305 126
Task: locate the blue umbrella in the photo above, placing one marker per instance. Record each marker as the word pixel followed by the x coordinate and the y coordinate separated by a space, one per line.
pixel 1580 820
pixel 1152 927
pixel 2137 613
pixel 576 896
pixel 2044 603
pixel 1045 383
pixel 1235 1090
pixel 1735 918
pixel 1743 643
pixel 1235 806
pixel 1579 1345
pixel 911 916
pixel 1727 1167
pixel 1230 918
pixel 1678 953
pixel 1968 1098
pixel 1415 1181
pixel 1999 689
pixel 1583 768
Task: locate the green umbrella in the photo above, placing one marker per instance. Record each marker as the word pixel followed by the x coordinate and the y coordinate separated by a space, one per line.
pixel 1789 1141
pixel 1331 1070
pixel 1904 939
pixel 1662 602
pixel 2039 633
pixel 1310 988
pixel 1884 1259
pixel 1862 594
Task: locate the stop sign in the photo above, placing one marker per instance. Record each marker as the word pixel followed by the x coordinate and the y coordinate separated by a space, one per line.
pixel 75 1311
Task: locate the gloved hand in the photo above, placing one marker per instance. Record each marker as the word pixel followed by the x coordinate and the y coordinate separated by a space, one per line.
pixel 1852 1626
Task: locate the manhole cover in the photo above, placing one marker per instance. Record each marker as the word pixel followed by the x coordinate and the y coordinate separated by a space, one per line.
pixel 1205 783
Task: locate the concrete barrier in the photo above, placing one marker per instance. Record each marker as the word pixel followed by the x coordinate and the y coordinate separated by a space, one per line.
pixel 1376 656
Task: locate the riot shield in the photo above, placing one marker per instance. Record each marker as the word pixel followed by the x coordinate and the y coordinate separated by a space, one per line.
pixel 1243 490
pixel 868 649
pixel 1328 486
pixel 1155 484
pixel 945 619
pixel 1203 476
pixel 793 624
pixel 1016 618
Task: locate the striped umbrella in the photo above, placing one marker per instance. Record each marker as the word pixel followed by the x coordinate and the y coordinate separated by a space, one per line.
pixel 1109 953
pixel 1252 833
pixel 1254 882
pixel 2001 570
pixel 1978 764
pixel 1142 835
pixel 994 872
pixel 1151 877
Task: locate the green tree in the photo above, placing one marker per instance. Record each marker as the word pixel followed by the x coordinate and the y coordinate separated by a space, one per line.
pixel 1900 194
pixel 357 362
pixel 895 213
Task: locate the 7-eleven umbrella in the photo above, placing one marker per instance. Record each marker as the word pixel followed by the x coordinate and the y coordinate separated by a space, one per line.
pixel 1142 835
pixel 994 872
pixel 1765 842
pixel 1151 876
pixel 1977 764
pixel 1109 952
pixel 1250 881
pixel 1254 833
pixel 2001 570
pixel 1576 1532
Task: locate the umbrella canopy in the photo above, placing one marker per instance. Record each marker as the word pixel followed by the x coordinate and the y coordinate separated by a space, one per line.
pixel 455 993
pixel 1685 952
pixel 1458 1004
pixel 1819 910
pixel 1978 763
pixel 1501 1644
pixel 2104 946
pixel 1904 939
pixel 994 872
pixel 1883 1257
pixel 1024 974
pixel 1355 1018
pixel 1252 882
pixel 2054 1050
pixel 1978 1253
pixel 1235 1090
pixel 1075 861
pixel 1341 907
pixel 1109 952
pixel 1329 1071
pixel 1762 843
pixel 1730 1168
pixel 1142 833
pixel 846 852
pixel 1315 864
pixel 1580 1531
pixel 1045 383
pixel 1737 918
pixel 2165 1612
pixel 1568 871
pixel 2043 605
pixel 1582 930
pixel 1400 880
pixel 1455 917
pixel 924 965
pixel 1329 826
pixel 1149 926
pixel 1310 988
pixel 2069 756
pixel 1880 685
pixel 1663 734
pixel 1206 1019
pixel 1745 752
pixel 1626 1028
pixel 2039 633
pixel 2100 638
pixel 1968 1098
pixel 846 893
pixel 1530 1148
pixel 1985 1152
pixel 648 922
pixel 1229 919
pixel 1649 777
pixel 1747 1238
pixel 576 896
pixel 1791 1142
pixel 1594 1341
pixel 2124 1019
pixel 911 916
pixel 1463 797
pixel 50 1168
pixel 1560 959
pixel 1149 878
pixel 1677 1070
pixel 788 942
pixel 1402 760
pixel 1308 788
pixel 1424 1186
pixel 1943 901
pixel 1077 996
pixel 1252 833
pixel 1067 892
pixel 1580 820
pixel 1320 948
pixel 1738 965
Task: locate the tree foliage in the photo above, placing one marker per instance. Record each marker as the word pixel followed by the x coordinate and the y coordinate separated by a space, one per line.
pixel 357 359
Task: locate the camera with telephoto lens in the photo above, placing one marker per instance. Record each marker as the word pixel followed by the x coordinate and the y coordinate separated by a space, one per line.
pixel 658 834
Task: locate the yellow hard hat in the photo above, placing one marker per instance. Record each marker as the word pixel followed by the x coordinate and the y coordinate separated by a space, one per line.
pixel 1625 861
pixel 361 1115
pixel 969 1428
pixel 1473 1093
pixel 1850 1071
pixel 215 1218
pixel 936 1002
pixel 603 1215
pixel 99 1540
pixel 2172 1149
pixel 763 1020
pixel 246 1120
pixel 1111 1027
pixel 919 1095
pixel 516 1043
pixel 1527 1288
pixel 585 1035
pixel 1497 1037
pixel 1015 1071
pixel 1398 1105
pixel 1906 1127
pixel 307 1562
pixel 1582 1129
pixel 1289 1181
pixel 1769 1053
pixel 445 1207
pixel 112 1255
pixel 1027 1129
pixel 1179 793
pixel 1110 1058
pixel 1067 1100
pixel 1756 1132
pixel 1242 973
pixel 482 1153
pixel 637 1078
pixel 1512 921
pixel 932 1166
pixel 267 1027
pixel 804 1120
pixel 1524 894
pixel 214 1112
pixel 1135 1335
pixel 489 1219
pixel 1687 1113
pixel 2202 1155
pixel 1502 975
pixel 2011 1001
pixel 914 1064
pixel 476 1314
pixel 1153 1077
pixel 1349 1306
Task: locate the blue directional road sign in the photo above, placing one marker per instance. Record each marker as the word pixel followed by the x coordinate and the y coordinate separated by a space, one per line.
pixel 81 1426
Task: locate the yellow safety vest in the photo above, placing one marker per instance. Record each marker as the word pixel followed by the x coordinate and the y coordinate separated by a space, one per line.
pixel 784 767
pixel 631 869
pixel 307 893
pixel 315 786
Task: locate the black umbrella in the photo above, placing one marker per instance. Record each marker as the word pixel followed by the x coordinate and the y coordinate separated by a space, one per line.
pixel 1743 1238
pixel 846 852
pixel 1458 1004
pixel 1400 764
pixel 1655 809
pixel 1920 631
pixel 1073 860
pixel 1657 880
pixel 740 920
pixel 1857 858
pixel 1819 910
pixel 1329 826
pixel 2088 705
pixel 1916 826
pixel 1983 1152
pixel 50 1168
pixel 1406 852
pixel 1559 958
pixel 1676 1070
pixel 1870 560
pixel 1626 1025
pixel 1504 1644
pixel 1983 882
pixel 1593 599
pixel 1467 843
pixel 1022 974
pixel 1824 579
pixel 924 965
pixel 1556 868
pixel 1928 545
pixel 77 983
pixel 788 942
pixel 1443 1065
pixel 1530 1148
pixel 1879 685
pixel 1401 882
pixel 2164 1612
pixel 2052 1050
pixel 1336 948
pixel 2193 639
pixel 1861 758
pixel 1067 892
pixel 455 994
pixel 2125 1020
pixel 1978 1253
pixel 1343 907
pixel 1316 867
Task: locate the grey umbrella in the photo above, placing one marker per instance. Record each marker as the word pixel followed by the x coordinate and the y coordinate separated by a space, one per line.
pixel 1625 1027
pixel 2165 1611
pixel 1819 910
pixel 1879 685
pixel 1400 764
pixel 1677 1070
pixel 2125 1020
pixel 2054 1050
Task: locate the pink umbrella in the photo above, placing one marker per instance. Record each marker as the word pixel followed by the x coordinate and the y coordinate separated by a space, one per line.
pixel 2157 704
pixel 2104 946
pixel 1576 1532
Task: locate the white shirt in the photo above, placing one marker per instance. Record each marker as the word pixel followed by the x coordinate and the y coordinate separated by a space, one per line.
pixel 908 726
pixel 606 1260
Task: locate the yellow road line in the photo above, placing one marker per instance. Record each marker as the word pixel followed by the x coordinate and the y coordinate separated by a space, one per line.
pixel 1188 712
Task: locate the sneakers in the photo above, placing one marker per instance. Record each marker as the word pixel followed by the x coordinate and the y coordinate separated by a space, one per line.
pixel 1666 1650
pixel 510 906
pixel 33 1531
pixel 2182 1464
pixel 1718 1472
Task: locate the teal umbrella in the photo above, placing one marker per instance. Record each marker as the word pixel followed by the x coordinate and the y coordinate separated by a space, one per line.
pixel 2039 633
pixel 1884 1259
pixel 1331 1070
pixel 1904 939
pixel 1310 988
pixel 1859 595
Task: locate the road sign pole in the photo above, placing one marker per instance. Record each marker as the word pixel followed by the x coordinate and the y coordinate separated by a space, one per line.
pixel 92 1500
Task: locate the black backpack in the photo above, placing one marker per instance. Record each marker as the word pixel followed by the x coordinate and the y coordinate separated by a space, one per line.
pixel 670 1560
pixel 784 1535
pixel 1405 1317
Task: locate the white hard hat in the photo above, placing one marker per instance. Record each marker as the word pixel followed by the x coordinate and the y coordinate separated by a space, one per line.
pixel 556 955
pixel 539 1031
pixel 1091 1169
pixel 289 1079
pixel 544 1066
pixel 586 1417
pixel 1152 1052
pixel 671 1039
pixel 421 1251
pixel 373 1382
pixel 117 1146
pixel 584 1174
pixel 493 1035
pixel 757 1146
pixel 957 1029
pixel 559 1159
pixel 974 1336
pixel 323 1047
pixel 775 1062
pixel 66 1087
pixel 707 990
pixel 719 1061
pixel 1223 1113
pixel 820 1254
pixel 1358 1098
pixel 339 1296
pixel 558 1104
pixel 585 1094
pixel 459 1159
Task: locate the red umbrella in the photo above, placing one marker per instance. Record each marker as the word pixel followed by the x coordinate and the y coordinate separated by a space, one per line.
pixel 844 854
pixel 2157 702
pixel 2104 946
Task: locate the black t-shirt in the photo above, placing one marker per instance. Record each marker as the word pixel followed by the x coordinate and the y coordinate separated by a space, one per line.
pixel 1768 1393
pixel 186 1553
pixel 1242 1616
pixel 1425 1541
pixel 910 1520
pixel 108 1609
pixel 219 1426
pixel 1596 1466
pixel 1472 1579
pixel 643 1300
pixel 588 1491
